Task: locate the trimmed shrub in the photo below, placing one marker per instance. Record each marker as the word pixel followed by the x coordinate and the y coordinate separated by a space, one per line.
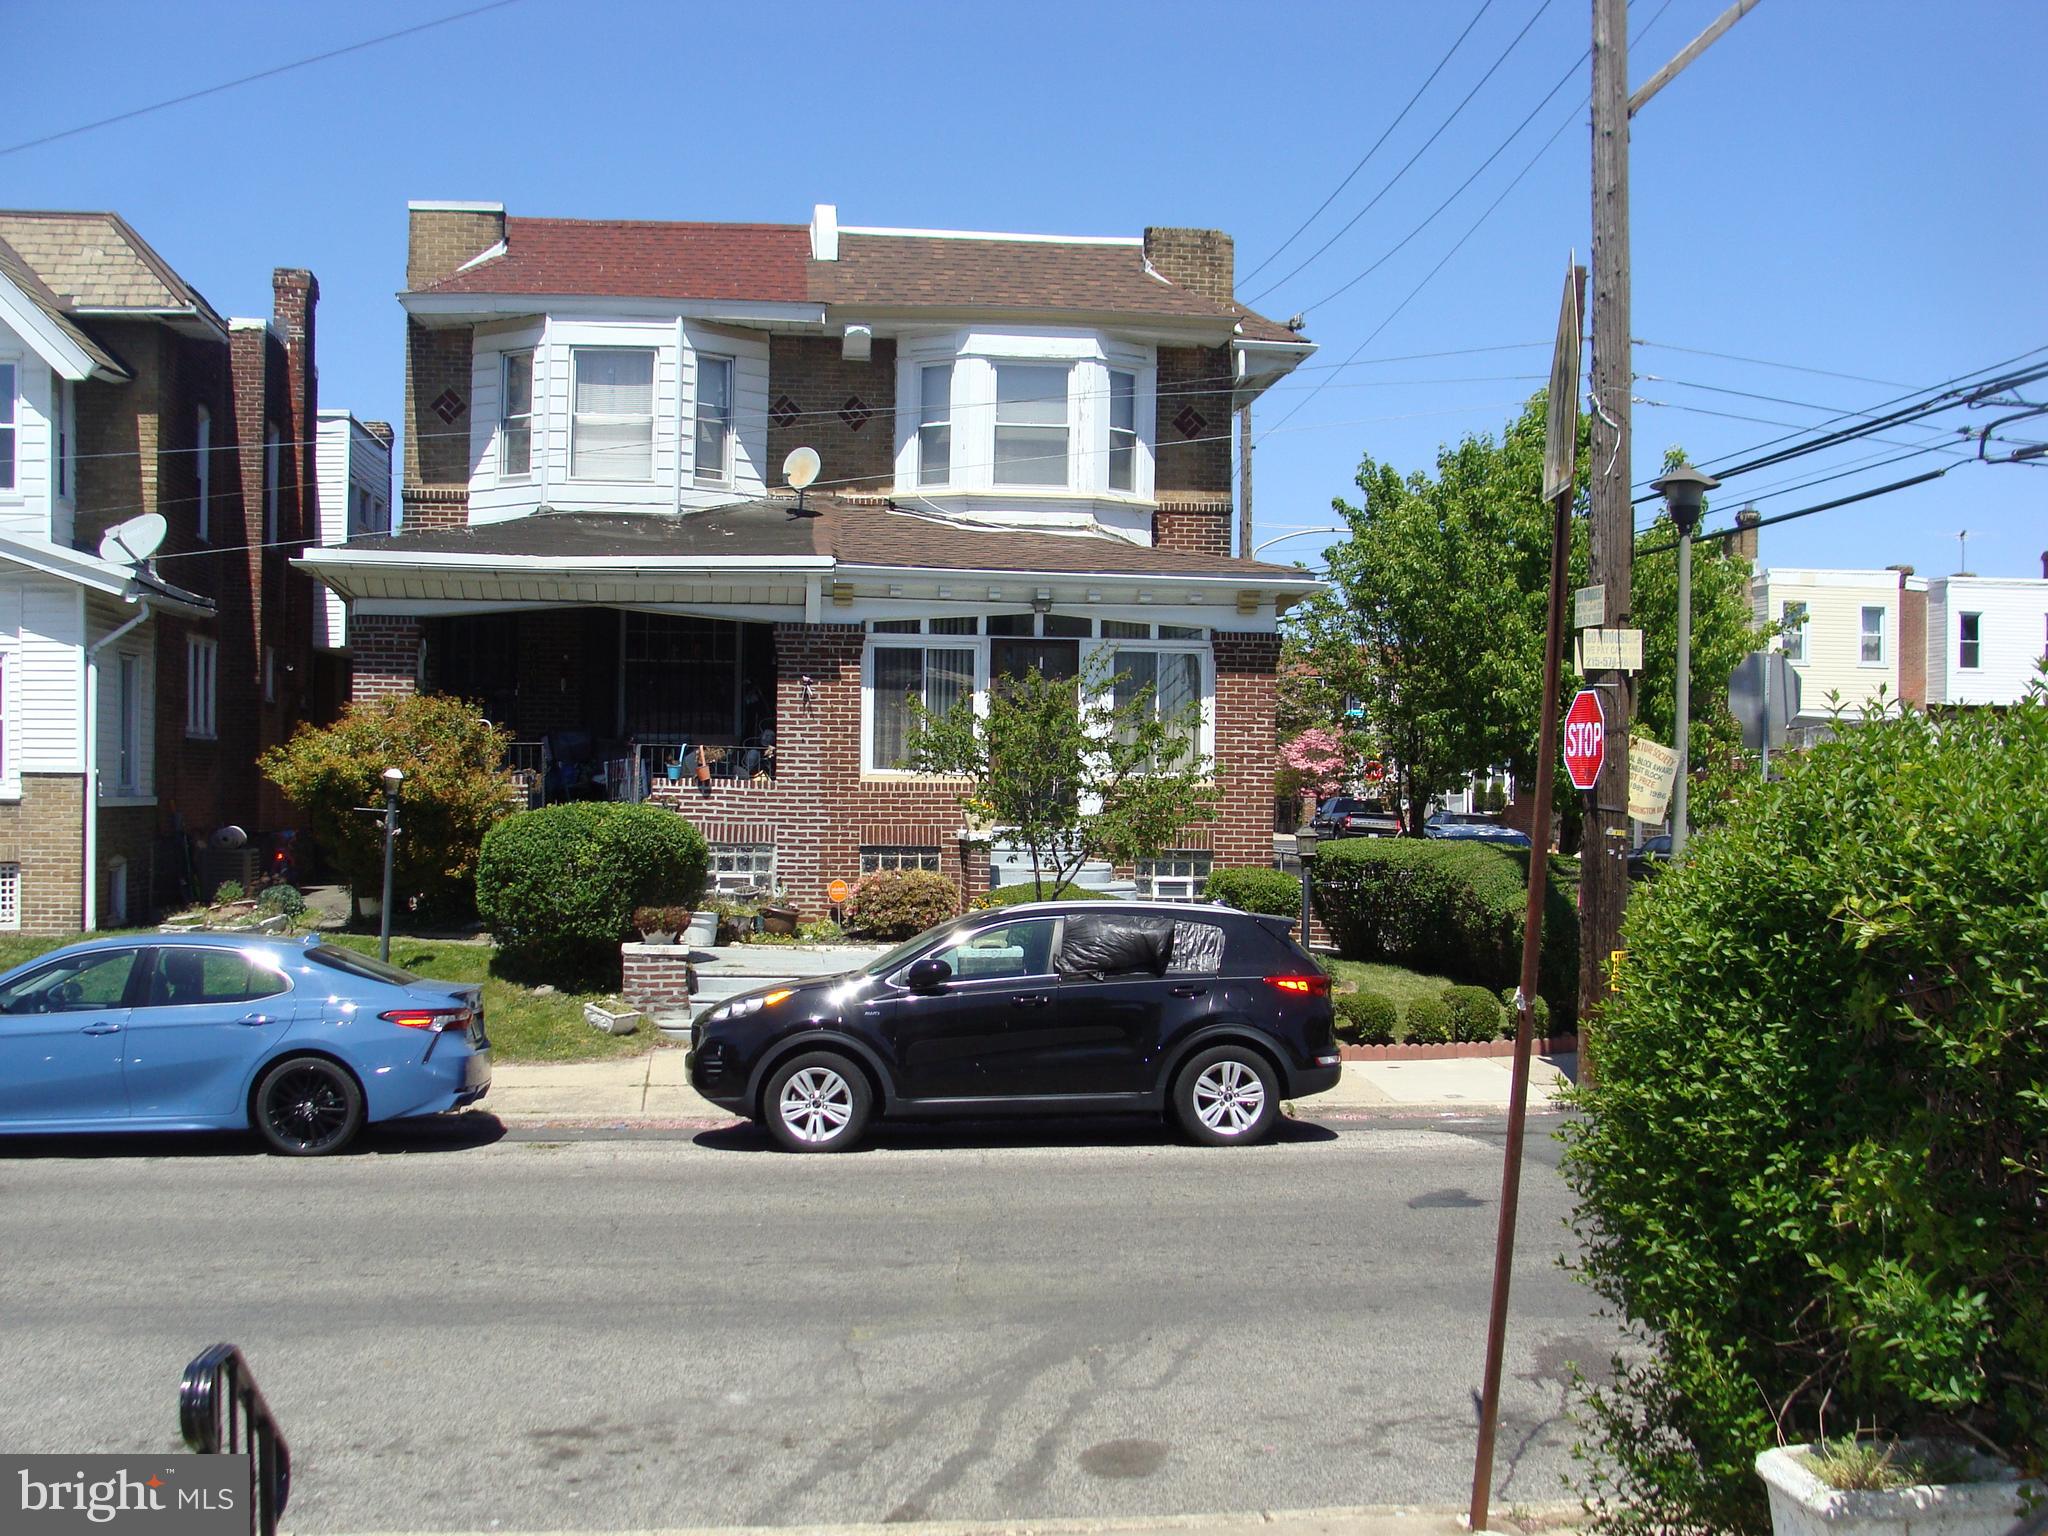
pixel 228 892
pixel 1430 1022
pixel 1271 891
pixel 1367 1018
pixel 898 903
pixel 1810 1159
pixel 1454 908
pixel 1539 1023
pixel 557 887
pixel 1025 890
pixel 1475 1014
pixel 282 900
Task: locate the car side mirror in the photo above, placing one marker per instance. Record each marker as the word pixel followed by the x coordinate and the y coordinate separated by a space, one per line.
pixel 928 976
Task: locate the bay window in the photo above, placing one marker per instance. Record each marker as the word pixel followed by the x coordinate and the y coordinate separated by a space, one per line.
pixel 714 420
pixel 611 428
pixel 1123 430
pixel 515 424
pixel 940 678
pixel 1031 424
pixel 935 425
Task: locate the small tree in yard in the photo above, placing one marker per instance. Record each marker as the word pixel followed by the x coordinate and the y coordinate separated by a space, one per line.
pixel 455 786
pixel 1069 774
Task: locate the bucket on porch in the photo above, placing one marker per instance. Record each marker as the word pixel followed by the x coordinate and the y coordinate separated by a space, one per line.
pixel 703 930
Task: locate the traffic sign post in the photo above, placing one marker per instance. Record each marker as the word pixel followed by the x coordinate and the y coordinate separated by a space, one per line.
pixel 1585 739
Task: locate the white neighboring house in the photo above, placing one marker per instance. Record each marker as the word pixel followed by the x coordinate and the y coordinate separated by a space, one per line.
pixel 1849 633
pixel 1986 637
pixel 77 638
pixel 354 489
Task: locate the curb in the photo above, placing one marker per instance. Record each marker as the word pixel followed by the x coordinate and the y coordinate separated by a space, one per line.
pixel 1554 1045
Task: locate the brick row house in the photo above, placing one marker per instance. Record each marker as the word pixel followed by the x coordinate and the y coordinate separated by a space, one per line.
pixel 1025 450
pixel 135 695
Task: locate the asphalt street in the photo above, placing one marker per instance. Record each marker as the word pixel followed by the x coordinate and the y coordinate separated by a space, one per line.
pixel 467 1331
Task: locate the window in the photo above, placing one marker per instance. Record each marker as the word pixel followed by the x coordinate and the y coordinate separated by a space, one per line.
pixel 877 857
pixel 270 674
pixel 1173 877
pixel 737 867
pixel 1872 636
pixel 515 419
pixel 60 422
pixel 186 976
pixel 1031 425
pixel 1970 649
pixel 10 896
pixel 714 419
pixel 1175 681
pixel 935 425
pixel 1793 642
pixel 117 892
pixel 1123 431
pixel 202 462
pixel 79 983
pixel 7 426
pixel 1197 949
pixel 1022 948
pixel 202 660
pixel 611 430
pixel 128 749
pixel 940 678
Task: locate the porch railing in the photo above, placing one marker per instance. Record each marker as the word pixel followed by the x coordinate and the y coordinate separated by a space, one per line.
pixel 633 776
pixel 221 1411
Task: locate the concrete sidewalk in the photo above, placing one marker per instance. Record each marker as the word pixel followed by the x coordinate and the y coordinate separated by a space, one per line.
pixel 653 1089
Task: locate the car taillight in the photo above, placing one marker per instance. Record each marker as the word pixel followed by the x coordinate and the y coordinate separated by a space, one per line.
pixel 436 1019
pixel 1305 986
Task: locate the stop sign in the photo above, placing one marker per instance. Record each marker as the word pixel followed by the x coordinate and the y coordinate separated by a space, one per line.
pixel 1585 739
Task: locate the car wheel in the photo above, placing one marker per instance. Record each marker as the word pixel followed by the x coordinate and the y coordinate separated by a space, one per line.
pixel 1227 1096
pixel 818 1102
pixel 307 1106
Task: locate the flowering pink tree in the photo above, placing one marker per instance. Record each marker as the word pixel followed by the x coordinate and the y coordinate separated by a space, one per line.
pixel 1321 760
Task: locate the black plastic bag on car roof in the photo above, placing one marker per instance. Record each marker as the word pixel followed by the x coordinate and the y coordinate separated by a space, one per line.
pixel 1115 944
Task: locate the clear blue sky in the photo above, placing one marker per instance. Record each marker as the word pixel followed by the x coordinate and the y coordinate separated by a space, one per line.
pixel 1841 184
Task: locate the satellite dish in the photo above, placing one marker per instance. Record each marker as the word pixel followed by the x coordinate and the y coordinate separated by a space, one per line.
pixel 134 541
pixel 801 467
pixel 230 836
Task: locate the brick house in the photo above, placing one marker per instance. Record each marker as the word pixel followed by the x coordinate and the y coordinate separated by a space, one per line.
pixel 124 393
pixel 1025 447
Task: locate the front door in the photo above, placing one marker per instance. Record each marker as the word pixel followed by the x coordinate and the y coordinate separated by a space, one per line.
pixel 202 1018
pixel 62 1032
pixel 969 1039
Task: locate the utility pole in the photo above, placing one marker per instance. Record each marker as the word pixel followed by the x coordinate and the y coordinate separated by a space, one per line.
pixel 1603 856
pixel 1244 486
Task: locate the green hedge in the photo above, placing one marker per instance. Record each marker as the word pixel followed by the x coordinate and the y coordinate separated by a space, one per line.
pixel 1271 891
pixel 1475 1014
pixel 900 903
pixel 1026 890
pixel 1367 1018
pixel 1453 908
pixel 1430 1022
pixel 557 887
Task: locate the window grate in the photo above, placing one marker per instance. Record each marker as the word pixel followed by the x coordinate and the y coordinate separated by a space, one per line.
pixel 10 896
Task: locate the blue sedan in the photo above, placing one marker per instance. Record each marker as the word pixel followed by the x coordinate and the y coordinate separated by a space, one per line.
pixel 304 1042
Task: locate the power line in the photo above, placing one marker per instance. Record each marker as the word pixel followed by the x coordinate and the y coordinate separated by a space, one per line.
pixel 1786 517
pixel 1764 362
pixel 261 74
pixel 1543 6
pixel 1485 6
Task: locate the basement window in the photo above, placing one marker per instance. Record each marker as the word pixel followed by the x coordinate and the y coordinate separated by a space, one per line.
pixel 876 857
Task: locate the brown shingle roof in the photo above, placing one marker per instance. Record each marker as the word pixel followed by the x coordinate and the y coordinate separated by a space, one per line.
pixel 636 259
pixel 97 261
pixel 39 294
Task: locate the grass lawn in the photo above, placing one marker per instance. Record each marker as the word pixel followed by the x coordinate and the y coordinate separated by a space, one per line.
pixel 525 1025
pixel 1403 986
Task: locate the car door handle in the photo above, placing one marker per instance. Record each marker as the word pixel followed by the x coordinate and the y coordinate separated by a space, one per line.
pixel 1030 1000
pixel 1188 991
pixel 102 1027
pixel 257 1018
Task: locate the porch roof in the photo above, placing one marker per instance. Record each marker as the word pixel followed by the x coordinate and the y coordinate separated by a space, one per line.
pixel 749 542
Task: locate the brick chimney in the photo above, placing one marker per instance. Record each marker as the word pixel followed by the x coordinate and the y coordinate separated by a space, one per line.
pixel 1745 538
pixel 1200 260
pixel 381 430
pixel 1912 637
pixel 440 237
pixel 295 294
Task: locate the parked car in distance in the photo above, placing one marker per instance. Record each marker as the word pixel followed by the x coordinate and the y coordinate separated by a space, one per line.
pixel 302 1042
pixel 1650 858
pixel 1470 826
pixel 1205 1014
pixel 1355 816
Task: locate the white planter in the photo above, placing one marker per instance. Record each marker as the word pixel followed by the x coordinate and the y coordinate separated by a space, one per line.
pixel 703 930
pixel 1803 1505
pixel 611 1021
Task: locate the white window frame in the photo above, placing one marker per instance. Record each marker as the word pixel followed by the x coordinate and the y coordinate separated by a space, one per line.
pixel 876 858
pixel 1205 681
pixel 974 645
pixel 1864 635
pixel 742 867
pixel 10 897
pixel 1792 641
pixel 1967 642
pixel 653 356
pixel 1066 427
pixel 10 423
pixel 128 723
pixel 1173 885
pixel 721 473
pixel 1124 439
pixel 202 460
pixel 202 680
pixel 507 417
pixel 927 423
pixel 273 476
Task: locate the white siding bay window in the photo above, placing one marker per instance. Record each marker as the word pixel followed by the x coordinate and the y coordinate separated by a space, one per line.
pixel 1030 417
pixel 611 423
pixel 515 435
pixel 10 426
pixel 714 420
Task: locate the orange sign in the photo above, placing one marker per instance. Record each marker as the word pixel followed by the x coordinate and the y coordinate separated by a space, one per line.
pixel 838 891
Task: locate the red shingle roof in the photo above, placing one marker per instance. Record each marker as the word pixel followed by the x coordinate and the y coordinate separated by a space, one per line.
pixel 630 258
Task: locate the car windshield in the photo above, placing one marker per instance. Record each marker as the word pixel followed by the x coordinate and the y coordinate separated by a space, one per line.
pixel 360 965
pixel 902 952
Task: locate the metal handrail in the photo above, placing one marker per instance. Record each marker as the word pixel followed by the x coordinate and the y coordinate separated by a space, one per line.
pixel 221 1411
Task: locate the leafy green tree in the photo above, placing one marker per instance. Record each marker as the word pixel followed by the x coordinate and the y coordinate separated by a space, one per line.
pixel 1068 773
pixel 455 786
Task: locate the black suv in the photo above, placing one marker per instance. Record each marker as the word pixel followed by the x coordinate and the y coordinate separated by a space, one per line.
pixel 1207 1014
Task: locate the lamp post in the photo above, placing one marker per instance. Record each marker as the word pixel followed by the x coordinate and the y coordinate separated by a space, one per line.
pixel 1684 490
pixel 1305 850
pixel 393 777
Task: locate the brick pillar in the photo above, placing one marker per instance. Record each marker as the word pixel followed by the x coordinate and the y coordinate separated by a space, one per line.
pixel 51 848
pixel 1745 541
pixel 817 757
pixel 1246 741
pixel 1912 638
pixel 387 652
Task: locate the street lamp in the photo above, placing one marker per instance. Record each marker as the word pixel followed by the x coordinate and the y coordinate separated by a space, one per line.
pixel 1299 533
pixel 1304 851
pixel 1684 490
pixel 393 777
